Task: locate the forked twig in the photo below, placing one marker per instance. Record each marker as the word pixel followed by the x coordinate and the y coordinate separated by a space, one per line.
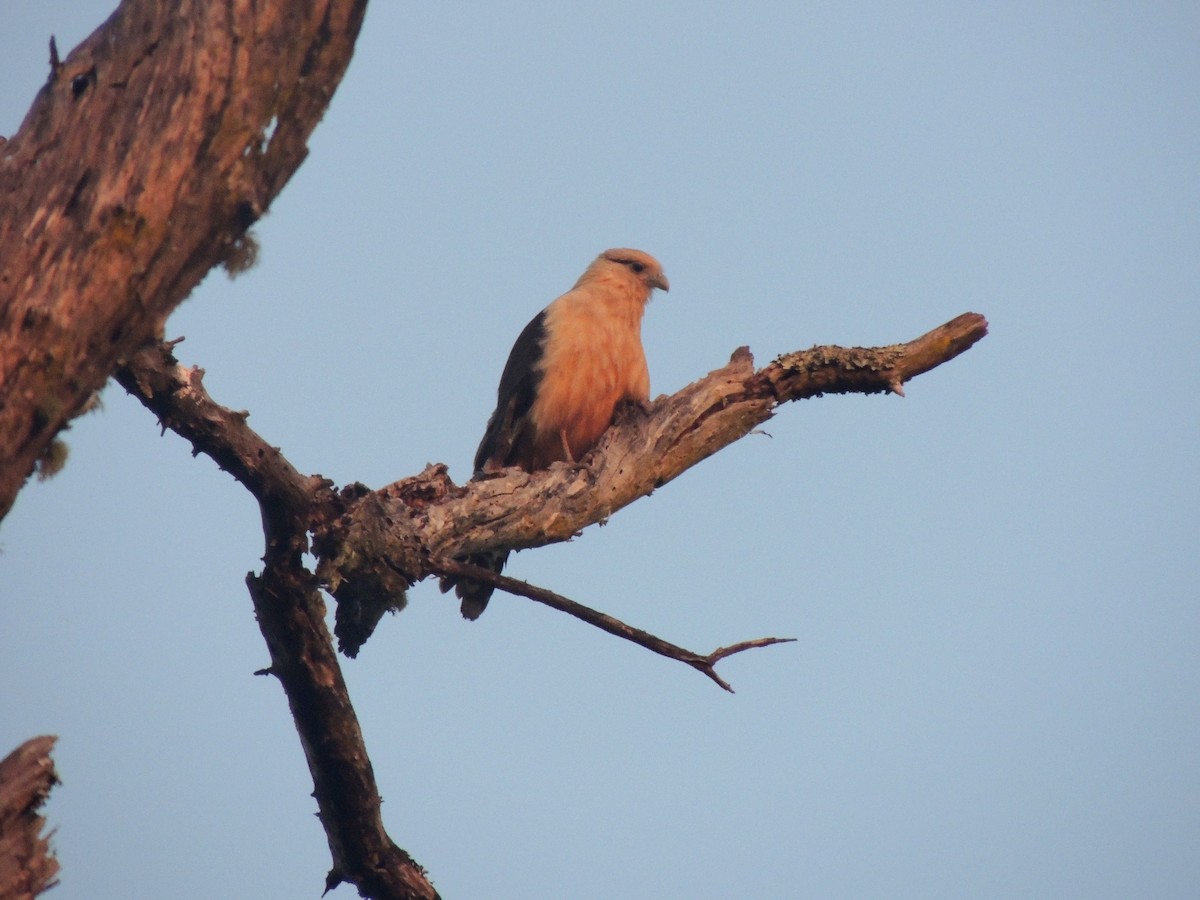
pixel 705 663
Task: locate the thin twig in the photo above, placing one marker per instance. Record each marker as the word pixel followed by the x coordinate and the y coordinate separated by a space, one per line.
pixel 701 662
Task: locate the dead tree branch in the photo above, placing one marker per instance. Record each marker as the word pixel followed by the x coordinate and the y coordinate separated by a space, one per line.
pixel 206 109
pixel 407 524
pixel 291 617
pixel 27 867
pixel 177 396
pixel 705 663
pixel 372 545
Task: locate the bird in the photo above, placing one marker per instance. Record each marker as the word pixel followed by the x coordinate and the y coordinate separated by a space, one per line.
pixel 571 366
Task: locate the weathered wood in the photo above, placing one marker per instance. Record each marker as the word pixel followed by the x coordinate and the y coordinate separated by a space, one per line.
pixel 704 663
pixel 151 150
pixel 372 545
pixel 143 162
pixel 27 866
pixel 429 516
pixel 147 155
pixel 291 616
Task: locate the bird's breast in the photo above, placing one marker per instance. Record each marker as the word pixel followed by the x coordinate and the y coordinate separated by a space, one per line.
pixel 591 361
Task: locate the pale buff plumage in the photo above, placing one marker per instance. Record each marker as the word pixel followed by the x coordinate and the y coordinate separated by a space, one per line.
pixel 568 371
pixel 592 356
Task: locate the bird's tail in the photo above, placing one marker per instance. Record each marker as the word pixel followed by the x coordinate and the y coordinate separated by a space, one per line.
pixel 475 594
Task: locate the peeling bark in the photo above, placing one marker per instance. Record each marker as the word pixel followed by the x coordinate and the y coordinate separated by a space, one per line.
pixel 152 149
pixel 407 523
pixel 27 867
pixel 205 109
pixel 372 545
pixel 147 155
pixel 291 616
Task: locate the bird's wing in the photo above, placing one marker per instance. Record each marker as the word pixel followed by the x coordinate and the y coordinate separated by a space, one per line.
pixel 509 431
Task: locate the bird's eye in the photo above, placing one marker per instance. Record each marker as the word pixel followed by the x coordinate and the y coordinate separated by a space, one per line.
pixel 637 267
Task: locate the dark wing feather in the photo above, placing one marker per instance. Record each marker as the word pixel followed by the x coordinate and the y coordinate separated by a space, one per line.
pixel 508 426
pixel 504 443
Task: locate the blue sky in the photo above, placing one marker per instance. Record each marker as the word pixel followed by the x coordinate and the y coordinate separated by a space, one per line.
pixel 993 582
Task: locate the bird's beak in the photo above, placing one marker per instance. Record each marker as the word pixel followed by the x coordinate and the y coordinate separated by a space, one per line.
pixel 661 282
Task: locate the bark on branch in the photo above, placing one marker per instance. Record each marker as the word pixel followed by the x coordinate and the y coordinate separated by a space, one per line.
pixel 291 617
pixel 204 110
pixel 406 524
pixel 372 545
pixel 27 867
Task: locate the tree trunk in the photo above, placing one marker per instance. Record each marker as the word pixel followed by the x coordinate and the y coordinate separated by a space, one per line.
pixel 145 158
pixel 143 162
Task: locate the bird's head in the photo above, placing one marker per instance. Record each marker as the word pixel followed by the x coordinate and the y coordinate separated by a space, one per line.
pixel 644 267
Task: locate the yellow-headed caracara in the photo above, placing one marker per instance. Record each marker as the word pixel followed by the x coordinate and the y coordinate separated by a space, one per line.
pixel 579 357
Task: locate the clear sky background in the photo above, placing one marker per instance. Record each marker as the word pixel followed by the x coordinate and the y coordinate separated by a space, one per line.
pixel 993 582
